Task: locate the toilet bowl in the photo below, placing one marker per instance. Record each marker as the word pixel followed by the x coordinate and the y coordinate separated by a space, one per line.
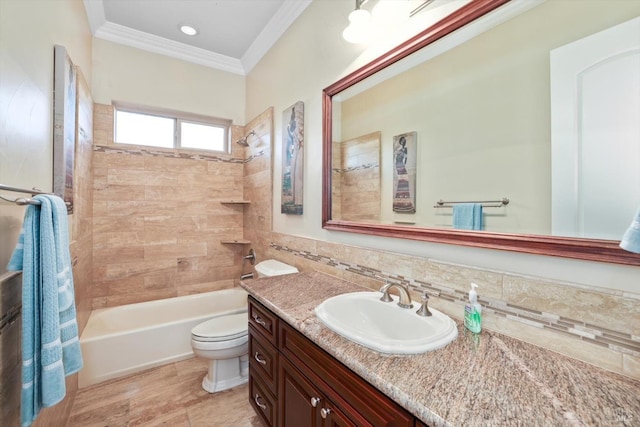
pixel 223 341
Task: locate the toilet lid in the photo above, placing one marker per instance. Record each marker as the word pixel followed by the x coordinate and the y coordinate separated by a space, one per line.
pixel 222 328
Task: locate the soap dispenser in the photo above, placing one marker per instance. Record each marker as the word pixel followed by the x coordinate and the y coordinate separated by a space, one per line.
pixel 473 311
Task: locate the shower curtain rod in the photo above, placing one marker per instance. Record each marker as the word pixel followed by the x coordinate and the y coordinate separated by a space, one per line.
pixel 21 200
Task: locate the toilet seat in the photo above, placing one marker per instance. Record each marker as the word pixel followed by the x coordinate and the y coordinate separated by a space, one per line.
pixel 224 328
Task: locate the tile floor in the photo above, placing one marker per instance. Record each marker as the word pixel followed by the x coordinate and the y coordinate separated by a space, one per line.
pixel 169 395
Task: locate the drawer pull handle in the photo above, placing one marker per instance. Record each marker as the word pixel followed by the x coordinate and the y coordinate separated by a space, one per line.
pixel 258 359
pixel 259 320
pixel 257 400
pixel 315 401
pixel 324 412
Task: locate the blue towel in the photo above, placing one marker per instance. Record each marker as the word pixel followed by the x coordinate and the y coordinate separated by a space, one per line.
pixel 467 216
pixel 631 238
pixel 50 345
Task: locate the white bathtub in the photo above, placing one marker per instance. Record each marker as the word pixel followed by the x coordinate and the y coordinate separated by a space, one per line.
pixel 122 340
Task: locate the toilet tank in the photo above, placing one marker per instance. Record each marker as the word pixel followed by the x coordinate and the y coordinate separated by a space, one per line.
pixel 272 267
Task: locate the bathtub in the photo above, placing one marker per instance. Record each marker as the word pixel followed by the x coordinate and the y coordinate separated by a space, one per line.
pixel 119 341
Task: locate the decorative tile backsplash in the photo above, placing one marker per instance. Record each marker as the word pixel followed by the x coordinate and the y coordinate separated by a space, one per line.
pixel 617 341
pixel 173 154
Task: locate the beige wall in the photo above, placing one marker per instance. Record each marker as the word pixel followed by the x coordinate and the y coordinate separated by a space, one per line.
pixel 26 94
pixel 279 82
pixel 28 32
pixel 593 298
pixel 126 74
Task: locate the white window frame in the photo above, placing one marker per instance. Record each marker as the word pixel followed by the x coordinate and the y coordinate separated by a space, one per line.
pixel 178 117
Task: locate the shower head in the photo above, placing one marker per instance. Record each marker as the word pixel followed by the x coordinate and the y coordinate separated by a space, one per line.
pixel 243 141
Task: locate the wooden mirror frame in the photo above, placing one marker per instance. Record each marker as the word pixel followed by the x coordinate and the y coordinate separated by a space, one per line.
pixel 568 247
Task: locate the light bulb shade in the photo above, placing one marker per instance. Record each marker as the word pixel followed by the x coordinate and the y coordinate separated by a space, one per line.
pixel 360 17
pixel 359 29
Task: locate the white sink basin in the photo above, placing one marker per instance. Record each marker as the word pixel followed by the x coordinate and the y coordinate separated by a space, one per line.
pixel 383 326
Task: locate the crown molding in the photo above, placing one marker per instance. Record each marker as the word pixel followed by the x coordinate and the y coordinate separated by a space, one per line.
pixel 95 14
pixel 127 36
pixel 275 28
pixel 283 18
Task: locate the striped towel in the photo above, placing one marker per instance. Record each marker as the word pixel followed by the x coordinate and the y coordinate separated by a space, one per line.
pixel 50 345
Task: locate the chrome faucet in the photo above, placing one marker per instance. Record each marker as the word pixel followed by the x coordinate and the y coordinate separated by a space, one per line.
pixel 405 298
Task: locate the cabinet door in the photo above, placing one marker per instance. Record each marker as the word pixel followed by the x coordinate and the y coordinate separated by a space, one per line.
pixel 364 404
pixel 261 400
pixel 263 360
pixel 333 417
pixel 299 401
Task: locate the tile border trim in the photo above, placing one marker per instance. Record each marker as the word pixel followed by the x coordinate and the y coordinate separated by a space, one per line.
pixel 151 152
pixel 613 340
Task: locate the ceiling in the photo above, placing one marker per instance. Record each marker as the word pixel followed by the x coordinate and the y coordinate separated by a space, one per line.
pixel 233 35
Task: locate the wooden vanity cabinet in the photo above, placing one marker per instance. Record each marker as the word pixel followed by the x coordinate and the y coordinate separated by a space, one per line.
pixel 263 362
pixel 301 403
pixel 294 383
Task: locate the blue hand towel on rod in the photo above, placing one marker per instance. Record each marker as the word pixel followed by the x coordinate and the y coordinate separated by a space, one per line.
pixel 50 345
pixel 631 238
pixel 467 216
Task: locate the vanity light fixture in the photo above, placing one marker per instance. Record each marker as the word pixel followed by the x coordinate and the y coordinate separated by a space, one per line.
pixel 386 16
pixel 188 30
pixel 359 29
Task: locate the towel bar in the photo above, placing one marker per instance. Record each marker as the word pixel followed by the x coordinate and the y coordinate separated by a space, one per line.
pixel 21 200
pixel 485 203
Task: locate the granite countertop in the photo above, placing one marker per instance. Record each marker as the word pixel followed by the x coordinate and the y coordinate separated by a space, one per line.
pixel 477 380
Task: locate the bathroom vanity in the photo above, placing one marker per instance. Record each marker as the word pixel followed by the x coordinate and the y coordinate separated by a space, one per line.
pixel 296 383
pixel 302 373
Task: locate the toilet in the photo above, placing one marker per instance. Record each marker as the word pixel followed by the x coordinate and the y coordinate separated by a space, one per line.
pixel 224 340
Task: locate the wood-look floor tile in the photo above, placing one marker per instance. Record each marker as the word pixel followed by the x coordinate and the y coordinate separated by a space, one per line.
pixel 193 369
pixel 226 408
pixel 169 395
pixel 113 414
pixel 175 418
pixel 174 397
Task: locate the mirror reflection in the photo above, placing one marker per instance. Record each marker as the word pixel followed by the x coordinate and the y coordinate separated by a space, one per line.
pixel 540 109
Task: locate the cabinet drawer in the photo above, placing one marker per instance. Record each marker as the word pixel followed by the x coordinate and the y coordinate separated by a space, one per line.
pixel 344 387
pixel 263 359
pixel 263 321
pixel 262 401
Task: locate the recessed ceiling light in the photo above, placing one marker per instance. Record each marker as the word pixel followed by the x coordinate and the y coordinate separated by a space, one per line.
pixel 188 30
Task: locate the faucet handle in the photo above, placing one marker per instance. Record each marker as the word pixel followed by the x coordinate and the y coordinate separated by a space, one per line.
pixel 385 292
pixel 424 309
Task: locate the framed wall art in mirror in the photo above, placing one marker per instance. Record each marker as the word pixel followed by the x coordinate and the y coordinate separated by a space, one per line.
pixel 480 88
pixel 404 172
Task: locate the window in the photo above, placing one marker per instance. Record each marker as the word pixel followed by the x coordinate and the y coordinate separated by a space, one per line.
pixel 170 129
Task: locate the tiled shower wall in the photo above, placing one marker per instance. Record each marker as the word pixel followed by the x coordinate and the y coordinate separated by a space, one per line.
pixel 258 184
pixel 159 224
pixel 355 179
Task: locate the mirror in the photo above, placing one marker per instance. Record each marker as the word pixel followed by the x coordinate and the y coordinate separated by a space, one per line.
pixel 482 91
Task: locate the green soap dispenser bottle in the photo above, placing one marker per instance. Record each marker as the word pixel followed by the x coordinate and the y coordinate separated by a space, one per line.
pixel 473 311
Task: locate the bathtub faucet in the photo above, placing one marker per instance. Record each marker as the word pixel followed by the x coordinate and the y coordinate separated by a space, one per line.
pixel 246 276
pixel 251 256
